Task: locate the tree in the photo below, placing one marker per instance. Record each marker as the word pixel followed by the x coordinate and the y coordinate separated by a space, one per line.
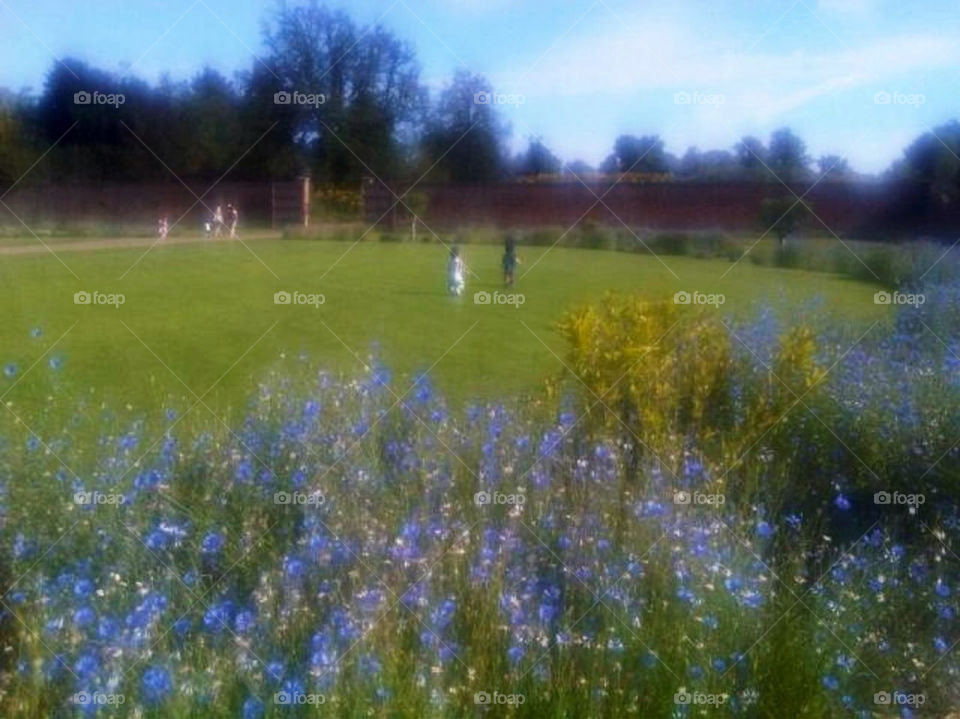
pixel 833 166
pixel 931 160
pixel 783 216
pixel 360 87
pixel 750 152
pixel 579 168
pixel 211 109
pixel 538 160
pixel 16 148
pixel 787 155
pixel 639 154
pixel 718 164
pixel 464 141
pixel 691 162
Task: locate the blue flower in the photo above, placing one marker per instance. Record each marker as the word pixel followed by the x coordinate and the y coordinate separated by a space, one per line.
pixel 941 588
pixel 84 616
pixel 212 543
pixel 217 618
pixel 156 685
pixel 87 664
pixel 252 708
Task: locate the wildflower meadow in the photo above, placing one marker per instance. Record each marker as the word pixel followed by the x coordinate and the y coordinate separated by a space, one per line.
pixel 697 515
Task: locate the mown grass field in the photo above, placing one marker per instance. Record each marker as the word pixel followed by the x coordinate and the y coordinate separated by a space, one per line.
pixel 202 316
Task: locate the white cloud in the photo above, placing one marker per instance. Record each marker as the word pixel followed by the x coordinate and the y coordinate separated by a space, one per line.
pixel 669 56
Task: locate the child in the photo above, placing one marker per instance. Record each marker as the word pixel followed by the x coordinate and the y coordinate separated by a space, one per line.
pixel 455 284
pixel 218 222
pixel 163 228
pixel 509 260
pixel 233 219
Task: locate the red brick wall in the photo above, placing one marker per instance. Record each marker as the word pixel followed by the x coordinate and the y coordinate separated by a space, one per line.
pixel 676 206
pixel 129 204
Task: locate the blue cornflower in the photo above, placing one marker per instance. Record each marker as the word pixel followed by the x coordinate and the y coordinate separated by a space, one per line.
pixel 84 616
pixel 941 588
pixel 108 628
pixel 86 665
pixel 83 588
pixel 217 618
pixel 212 543
pixel 293 568
pixel 156 685
pixel 244 621
pixel 252 708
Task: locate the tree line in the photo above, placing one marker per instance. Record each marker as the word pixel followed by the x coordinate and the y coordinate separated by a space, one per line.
pixel 343 102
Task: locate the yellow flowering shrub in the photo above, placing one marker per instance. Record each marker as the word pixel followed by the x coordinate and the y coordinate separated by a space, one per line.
pixel 660 368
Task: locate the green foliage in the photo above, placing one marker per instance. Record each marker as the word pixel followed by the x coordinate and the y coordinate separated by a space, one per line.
pixel 783 215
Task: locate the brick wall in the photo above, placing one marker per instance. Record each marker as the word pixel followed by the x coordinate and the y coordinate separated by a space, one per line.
pixel 844 207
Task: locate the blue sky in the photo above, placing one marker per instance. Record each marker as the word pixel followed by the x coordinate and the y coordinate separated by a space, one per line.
pixel 588 70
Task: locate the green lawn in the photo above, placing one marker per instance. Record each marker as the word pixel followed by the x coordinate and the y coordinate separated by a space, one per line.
pixel 204 315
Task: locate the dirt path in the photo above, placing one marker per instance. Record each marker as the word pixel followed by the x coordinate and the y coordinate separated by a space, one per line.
pixel 38 247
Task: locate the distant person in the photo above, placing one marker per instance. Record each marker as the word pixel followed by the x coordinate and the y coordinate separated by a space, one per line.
pixel 163 227
pixel 510 260
pixel 207 229
pixel 455 268
pixel 218 221
pixel 233 219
